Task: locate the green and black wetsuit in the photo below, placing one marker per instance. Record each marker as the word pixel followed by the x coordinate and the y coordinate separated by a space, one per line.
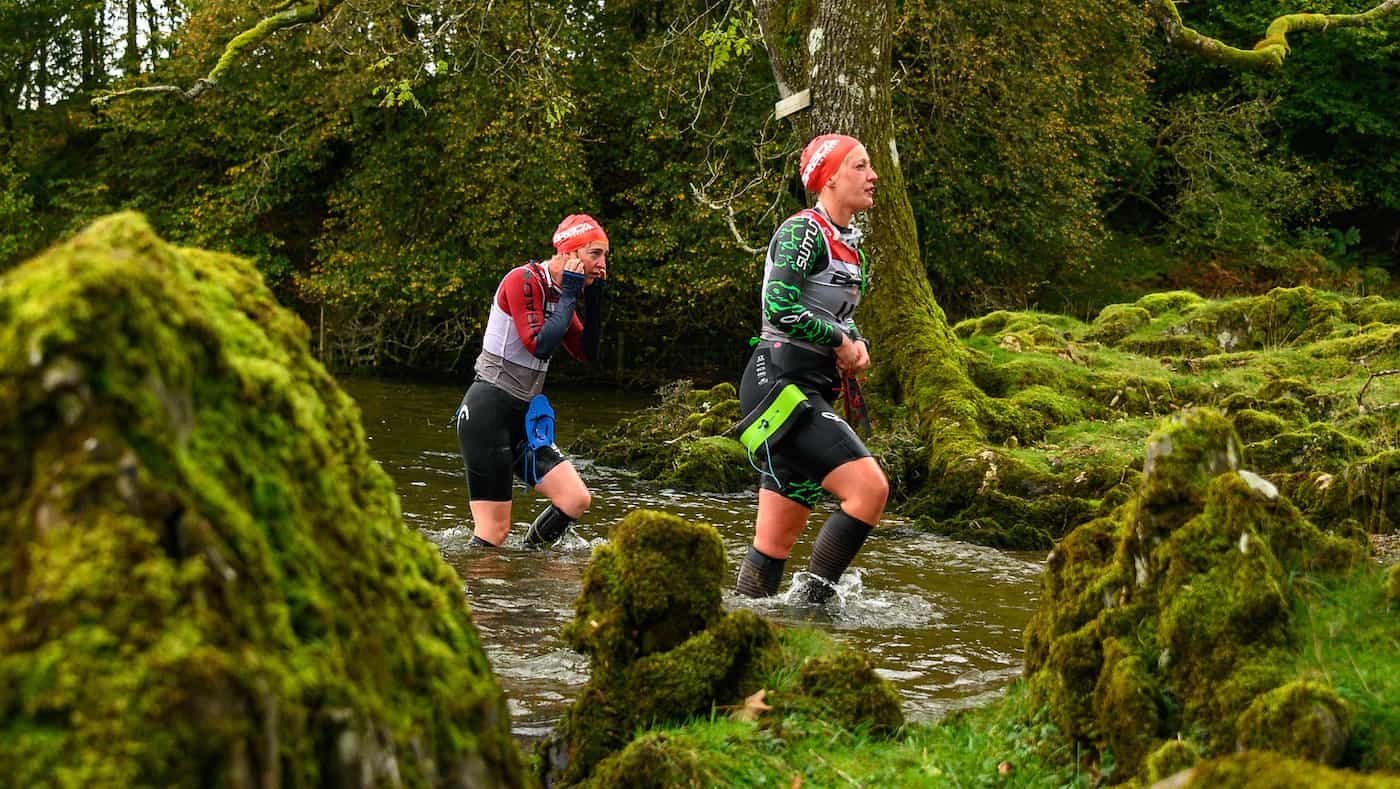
pixel 813 279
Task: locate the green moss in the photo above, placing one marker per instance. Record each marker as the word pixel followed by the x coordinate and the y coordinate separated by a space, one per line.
pixel 849 693
pixel 1170 758
pixel 1158 304
pixel 1126 693
pixel 1259 769
pixel 1373 309
pixel 1392 585
pixel 1302 719
pixel 1117 321
pixel 1318 447
pixel 1255 426
pixel 662 651
pixel 638 599
pixel 714 463
pixel 1174 613
pixel 207 576
pixel 679 442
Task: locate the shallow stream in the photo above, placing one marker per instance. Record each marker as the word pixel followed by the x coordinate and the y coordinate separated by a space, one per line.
pixel 942 619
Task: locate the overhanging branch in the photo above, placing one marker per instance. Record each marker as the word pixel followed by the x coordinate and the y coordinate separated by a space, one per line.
pixel 1273 48
pixel 290 17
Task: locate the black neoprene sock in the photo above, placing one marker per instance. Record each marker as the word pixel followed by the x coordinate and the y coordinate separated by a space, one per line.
pixel 760 575
pixel 837 544
pixel 477 542
pixel 548 527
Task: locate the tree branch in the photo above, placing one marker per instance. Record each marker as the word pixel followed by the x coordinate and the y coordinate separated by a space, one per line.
pixel 290 17
pixel 762 10
pixel 1273 48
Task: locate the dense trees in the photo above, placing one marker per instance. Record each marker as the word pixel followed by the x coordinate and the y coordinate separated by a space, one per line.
pixel 385 161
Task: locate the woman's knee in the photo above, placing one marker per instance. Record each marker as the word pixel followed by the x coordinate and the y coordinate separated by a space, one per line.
pixel 863 490
pixel 575 501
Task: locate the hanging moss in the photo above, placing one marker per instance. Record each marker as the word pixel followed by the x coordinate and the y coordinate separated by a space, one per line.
pixel 207 580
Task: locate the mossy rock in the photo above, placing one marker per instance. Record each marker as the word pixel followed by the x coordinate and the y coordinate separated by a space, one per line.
pixel 207 577
pixel 660 646
pixel 714 463
pixel 848 692
pixel 1170 758
pixel 1302 719
pixel 680 442
pixel 1165 345
pixel 1253 426
pixel 638 597
pixel 1392 585
pixel 1265 770
pixel 1318 447
pixel 1283 317
pixel 1171 301
pixel 652 761
pixel 1127 693
pixel 1373 309
pixel 1172 613
pixel 1117 321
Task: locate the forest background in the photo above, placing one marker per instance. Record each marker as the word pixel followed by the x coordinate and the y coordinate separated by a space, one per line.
pixel 387 163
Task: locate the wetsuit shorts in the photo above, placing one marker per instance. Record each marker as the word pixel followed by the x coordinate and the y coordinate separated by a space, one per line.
pixel 491 435
pixel 821 441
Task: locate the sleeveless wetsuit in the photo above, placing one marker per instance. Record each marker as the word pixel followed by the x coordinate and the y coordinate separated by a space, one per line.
pixel 813 278
pixel 531 316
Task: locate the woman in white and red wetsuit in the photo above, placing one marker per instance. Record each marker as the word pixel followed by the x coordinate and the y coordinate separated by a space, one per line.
pixel 533 313
pixel 814 276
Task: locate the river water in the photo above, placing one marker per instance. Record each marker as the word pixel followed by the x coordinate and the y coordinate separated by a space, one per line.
pixel 942 619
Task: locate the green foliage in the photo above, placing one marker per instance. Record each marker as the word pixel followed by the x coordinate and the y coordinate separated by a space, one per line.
pixel 16 221
pixel 1011 126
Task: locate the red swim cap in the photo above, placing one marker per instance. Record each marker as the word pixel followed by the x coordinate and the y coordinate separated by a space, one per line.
pixel 577 231
pixel 822 158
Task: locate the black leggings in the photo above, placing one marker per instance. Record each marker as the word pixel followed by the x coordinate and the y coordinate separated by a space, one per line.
pixel 491 435
pixel 820 442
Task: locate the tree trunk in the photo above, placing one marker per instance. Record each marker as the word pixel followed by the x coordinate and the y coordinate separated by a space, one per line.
pixel 916 358
pixel 131 56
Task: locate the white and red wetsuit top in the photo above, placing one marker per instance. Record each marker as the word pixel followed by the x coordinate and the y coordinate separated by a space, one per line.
pixel 531 316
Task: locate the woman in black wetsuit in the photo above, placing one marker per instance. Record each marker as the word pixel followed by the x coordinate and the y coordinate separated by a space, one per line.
pixel 814 276
pixel 533 313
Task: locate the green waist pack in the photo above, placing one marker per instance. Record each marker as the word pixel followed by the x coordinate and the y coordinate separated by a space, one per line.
pixel 770 420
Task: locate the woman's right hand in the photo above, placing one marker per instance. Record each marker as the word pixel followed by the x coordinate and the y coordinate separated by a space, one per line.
pixel 572 262
pixel 852 356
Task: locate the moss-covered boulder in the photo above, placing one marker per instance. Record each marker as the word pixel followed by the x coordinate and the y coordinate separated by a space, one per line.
pixel 1172 757
pixel 1302 719
pixel 662 651
pixel 1392 584
pixel 659 644
pixel 1267 770
pixel 207 580
pixel 1172 613
pixel 679 442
